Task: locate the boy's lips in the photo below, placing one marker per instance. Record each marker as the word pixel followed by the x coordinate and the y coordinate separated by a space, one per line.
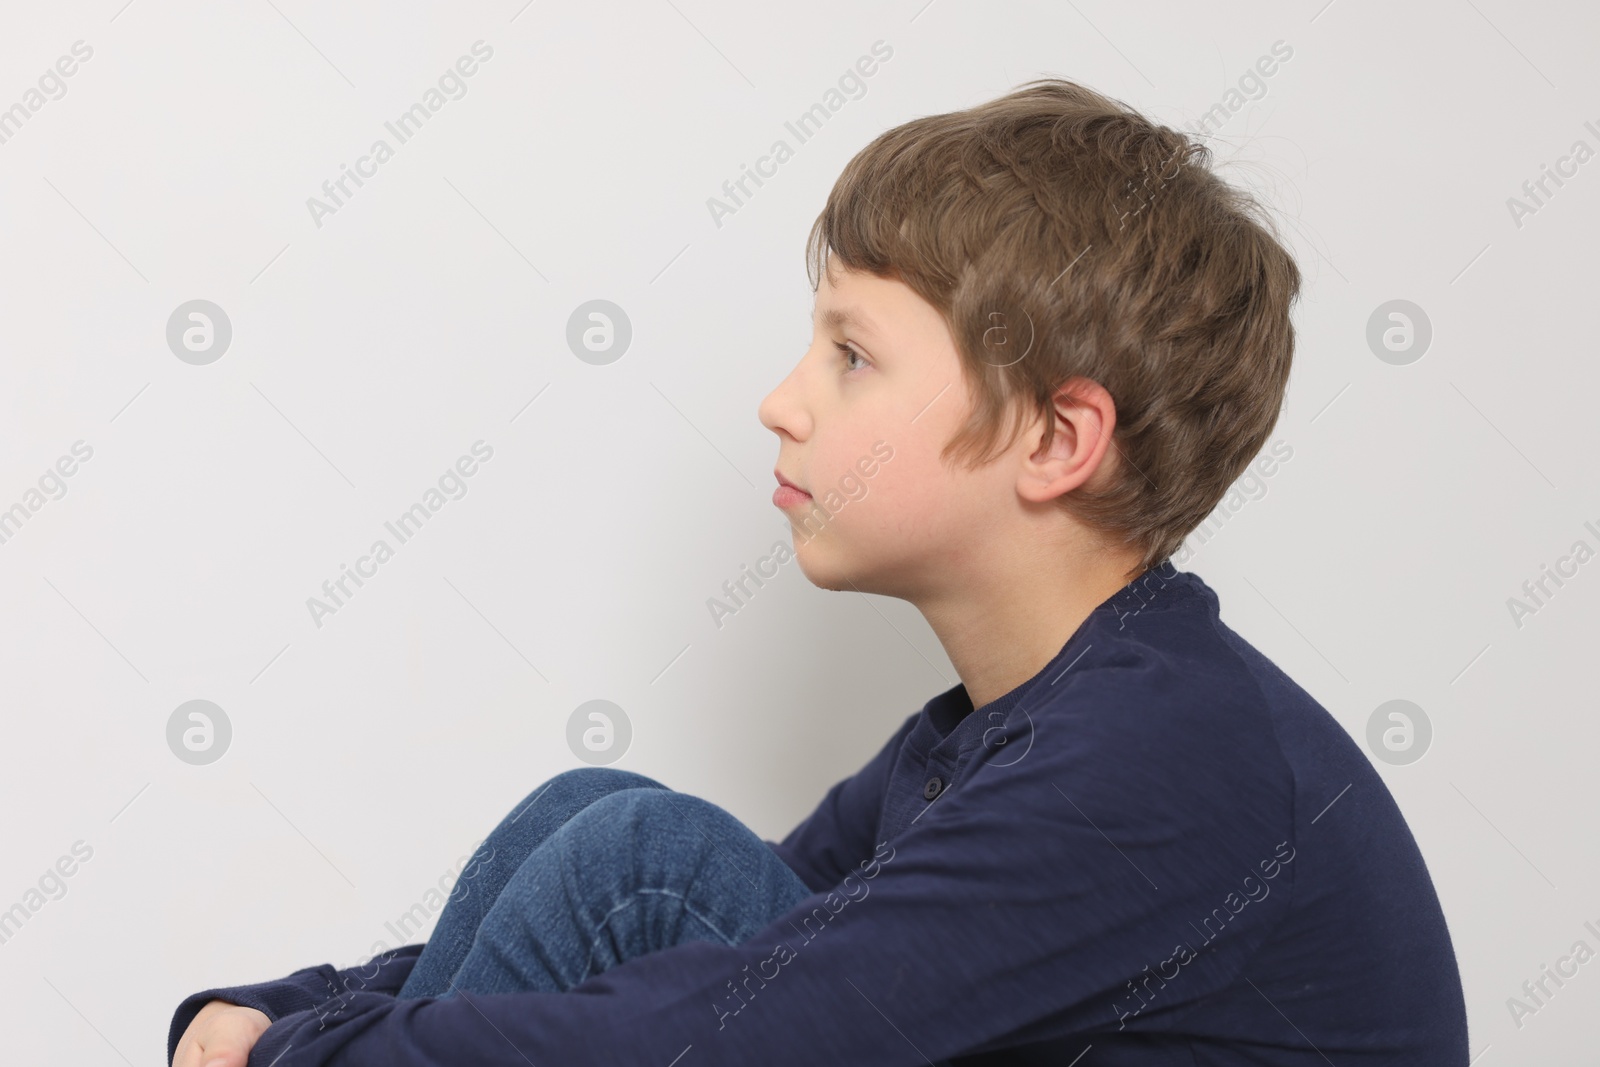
pixel 788 494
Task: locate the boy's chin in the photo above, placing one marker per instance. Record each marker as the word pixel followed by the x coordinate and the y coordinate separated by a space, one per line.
pixel 826 567
pixel 822 568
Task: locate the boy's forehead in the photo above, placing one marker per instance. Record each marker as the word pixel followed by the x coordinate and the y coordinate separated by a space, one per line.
pixel 844 317
pixel 851 300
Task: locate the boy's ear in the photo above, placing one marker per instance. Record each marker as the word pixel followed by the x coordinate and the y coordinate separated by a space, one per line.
pixel 1085 416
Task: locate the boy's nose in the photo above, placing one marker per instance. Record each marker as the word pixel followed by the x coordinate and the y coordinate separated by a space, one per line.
pixel 781 411
pixel 768 411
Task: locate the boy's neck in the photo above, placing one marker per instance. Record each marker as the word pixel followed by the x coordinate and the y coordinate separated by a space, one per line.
pixel 1013 620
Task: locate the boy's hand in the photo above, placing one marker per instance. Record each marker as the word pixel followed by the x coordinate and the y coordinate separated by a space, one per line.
pixel 221 1035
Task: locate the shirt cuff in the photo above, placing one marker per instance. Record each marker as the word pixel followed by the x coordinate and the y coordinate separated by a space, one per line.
pixel 304 990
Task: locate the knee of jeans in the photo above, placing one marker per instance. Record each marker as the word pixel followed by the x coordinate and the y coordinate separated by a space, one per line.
pixel 658 814
pixel 578 787
pixel 597 780
pixel 562 796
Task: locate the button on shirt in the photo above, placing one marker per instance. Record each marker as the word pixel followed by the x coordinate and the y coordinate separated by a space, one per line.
pixel 1159 846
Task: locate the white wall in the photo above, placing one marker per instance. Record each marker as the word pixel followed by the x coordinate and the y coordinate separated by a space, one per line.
pixel 373 346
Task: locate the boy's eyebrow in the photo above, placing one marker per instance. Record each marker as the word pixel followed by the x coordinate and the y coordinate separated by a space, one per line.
pixel 838 318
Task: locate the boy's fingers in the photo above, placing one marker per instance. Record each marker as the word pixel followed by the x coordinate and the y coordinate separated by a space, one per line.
pixel 222 1042
pixel 212 1053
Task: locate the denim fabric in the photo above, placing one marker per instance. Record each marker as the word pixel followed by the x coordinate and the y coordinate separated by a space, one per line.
pixel 593 868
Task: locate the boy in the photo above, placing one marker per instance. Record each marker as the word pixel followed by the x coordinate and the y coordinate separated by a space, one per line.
pixel 1046 341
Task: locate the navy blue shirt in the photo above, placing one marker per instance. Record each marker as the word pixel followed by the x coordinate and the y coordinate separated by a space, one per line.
pixel 1159 849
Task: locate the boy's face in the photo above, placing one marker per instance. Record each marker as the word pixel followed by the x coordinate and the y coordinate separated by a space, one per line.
pixel 908 527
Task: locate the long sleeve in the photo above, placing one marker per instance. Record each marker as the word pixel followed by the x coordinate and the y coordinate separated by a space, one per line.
pixel 1017 906
pixel 839 832
pixel 822 849
pixel 303 990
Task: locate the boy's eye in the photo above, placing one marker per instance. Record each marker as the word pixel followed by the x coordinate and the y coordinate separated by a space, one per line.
pixel 849 353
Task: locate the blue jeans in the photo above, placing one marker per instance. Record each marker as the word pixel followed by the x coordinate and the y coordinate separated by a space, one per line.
pixel 593 868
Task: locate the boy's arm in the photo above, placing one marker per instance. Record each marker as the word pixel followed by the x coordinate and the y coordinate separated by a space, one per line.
pixel 305 989
pixel 838 834
pixel 821 850
pixel 1016 907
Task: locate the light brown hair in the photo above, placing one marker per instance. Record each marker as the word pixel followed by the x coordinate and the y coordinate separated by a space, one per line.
pixel 1102 245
